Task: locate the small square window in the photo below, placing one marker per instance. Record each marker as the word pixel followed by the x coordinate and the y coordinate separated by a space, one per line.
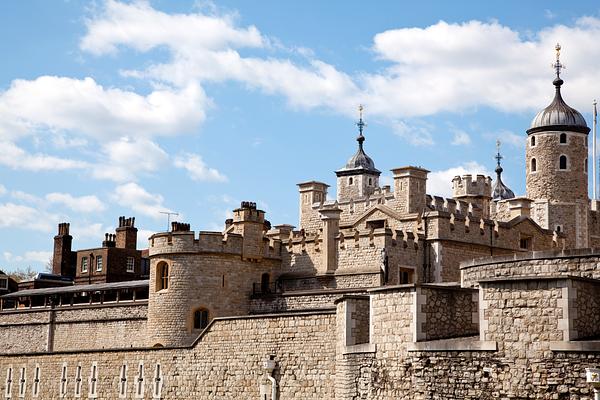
pixel 3 283
pixel 99 263
pixel 130 264
pixel 84 264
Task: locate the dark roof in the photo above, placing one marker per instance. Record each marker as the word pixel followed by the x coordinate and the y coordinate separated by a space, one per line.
pixel 501 191
pixel 558 116
pixel 359 163
pixel 79 288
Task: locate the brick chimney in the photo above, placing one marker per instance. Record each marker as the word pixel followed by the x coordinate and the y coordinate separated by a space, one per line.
pixel 126 233
pixel 62 259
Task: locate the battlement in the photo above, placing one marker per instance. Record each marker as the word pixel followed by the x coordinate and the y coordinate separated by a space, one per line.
pixel 185 241
pixel 466 185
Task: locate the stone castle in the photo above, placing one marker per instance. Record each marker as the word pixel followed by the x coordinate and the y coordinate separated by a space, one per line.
pixel 382 293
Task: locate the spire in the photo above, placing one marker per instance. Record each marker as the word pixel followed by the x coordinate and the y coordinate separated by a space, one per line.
pixel 558 66
pixel 501 191
pixel 361 126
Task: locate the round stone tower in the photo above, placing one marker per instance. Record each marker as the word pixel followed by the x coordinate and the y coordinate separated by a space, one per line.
pixel 557 167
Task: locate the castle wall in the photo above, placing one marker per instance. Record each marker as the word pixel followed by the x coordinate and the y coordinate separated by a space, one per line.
pixel 73 328
pixel 226 362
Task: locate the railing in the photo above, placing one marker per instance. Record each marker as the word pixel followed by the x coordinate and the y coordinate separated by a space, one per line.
pixel 263 289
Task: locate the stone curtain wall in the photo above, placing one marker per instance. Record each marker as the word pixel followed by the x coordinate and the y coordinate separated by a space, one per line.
pixel 447 312
pixel 583 263
pixel 226 363
pixel 74 328
pixel 585 298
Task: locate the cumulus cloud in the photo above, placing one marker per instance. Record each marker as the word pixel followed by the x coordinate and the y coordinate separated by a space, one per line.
pixel 82 204
pixel 35 256
pixel 124 159
pixel 135 197
pixel 439 183
pixel 84 106
pixel 197 169
pixel 14 157
pixel 24 217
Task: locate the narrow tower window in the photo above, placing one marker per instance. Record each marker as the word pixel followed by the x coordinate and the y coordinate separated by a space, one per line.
pixel 123 382
pixel 9 382
pixel 93 393
pixel 585 165
pixel 370 181
pixel 78 381
pixel 200 318
pixel 22 382
pixel 139 391
pixel 532 141
pixel 562 163
pixel 162 276
pixel 36 381
pixel 350 181
pixel 533 165
pixel 63 380
pixel 157 386
pixel 563 138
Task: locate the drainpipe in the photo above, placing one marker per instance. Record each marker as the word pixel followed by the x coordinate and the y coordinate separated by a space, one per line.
pixel 269 366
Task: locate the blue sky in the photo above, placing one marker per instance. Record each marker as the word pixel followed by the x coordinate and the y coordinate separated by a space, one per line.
pixel 131 108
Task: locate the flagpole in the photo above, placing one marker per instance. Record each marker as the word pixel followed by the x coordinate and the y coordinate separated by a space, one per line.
pixel 595 185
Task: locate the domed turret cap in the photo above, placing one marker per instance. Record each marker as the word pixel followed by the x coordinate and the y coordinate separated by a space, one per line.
pixel 359 163
pixel 558 116
pixel 501 191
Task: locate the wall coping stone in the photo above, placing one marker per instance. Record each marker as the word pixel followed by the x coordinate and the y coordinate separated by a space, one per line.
pixel 452 286
pixel 538 278
pixel 533 255
pixel 471 343
pixel 350 296
pixel 579 346
pixel 123 303
pixel 360 348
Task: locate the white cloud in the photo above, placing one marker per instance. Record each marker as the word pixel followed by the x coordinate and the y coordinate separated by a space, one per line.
pixel 81 230
pixel 439 183
pixel 15 157
pixel 417 134
pixel 125 158
pixel 135 197
pixel 36 256
pixel 2 190
pixel 83 204
pixel 83 106
pixel 142 237
pixel 197 169
pixel 460 137
pixel 25 217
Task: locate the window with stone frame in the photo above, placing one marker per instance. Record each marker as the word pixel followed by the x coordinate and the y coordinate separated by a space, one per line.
pixel 162 276
pixel 533 165
pixel 84 264
pixel 99 263
pixel 93 381
pixel 139 390
pixel 533 141
pixel 158 382
pixel 563 138
pixel 9 382
pixel 200 318
pixel 563 163
pixel 36 381
pixel 78 381
pixel 22 382
pixel 63 380
pixel 123 382
pixel 131 264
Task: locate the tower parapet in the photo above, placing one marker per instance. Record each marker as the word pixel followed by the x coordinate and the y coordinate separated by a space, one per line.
pixel 476 191
pixel 410 187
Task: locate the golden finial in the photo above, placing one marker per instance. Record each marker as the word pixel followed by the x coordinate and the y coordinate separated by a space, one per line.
pixel 557 65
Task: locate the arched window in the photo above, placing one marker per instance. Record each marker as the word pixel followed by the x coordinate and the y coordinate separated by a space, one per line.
pixel 562 162
pixel 558 228
pixel 200 318
pixel 370 182
pixel 533 165
pixel 563 138
pixel 350 181
pixel 162 276
pixel 265 281
pixel 532 141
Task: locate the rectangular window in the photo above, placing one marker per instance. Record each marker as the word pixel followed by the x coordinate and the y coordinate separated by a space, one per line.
pixel 36 381
pixel 93 393
pixel 3 283
pixel 84 264
pixel 99 263
pixel 63 380
pixel 157 387
pixel 123 382
pixel 78 381
pixel 9 382
pixel 525 243
pixel 139 391
pixel 130 264
pixel 22 382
